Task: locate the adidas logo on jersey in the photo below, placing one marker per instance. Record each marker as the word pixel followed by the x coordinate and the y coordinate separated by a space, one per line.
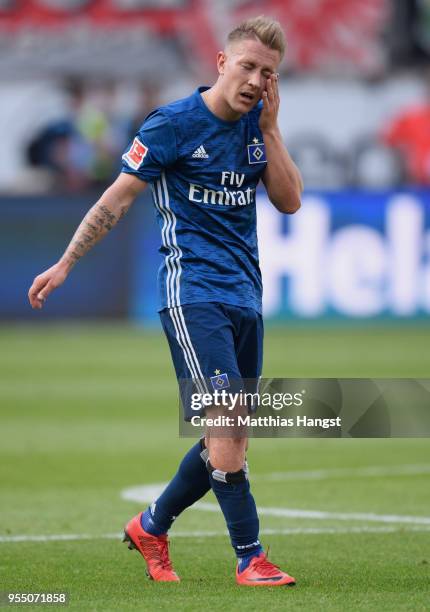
pixel 200 153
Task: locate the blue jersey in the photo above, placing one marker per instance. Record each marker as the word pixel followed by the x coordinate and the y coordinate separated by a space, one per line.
pixel 203 173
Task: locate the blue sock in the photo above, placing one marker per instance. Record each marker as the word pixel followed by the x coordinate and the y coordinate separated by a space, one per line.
pixel 246 559
pixel 188 485
pixel 238 506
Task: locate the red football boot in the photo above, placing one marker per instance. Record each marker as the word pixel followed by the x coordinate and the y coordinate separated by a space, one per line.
pixel 261 572
pixel 154 549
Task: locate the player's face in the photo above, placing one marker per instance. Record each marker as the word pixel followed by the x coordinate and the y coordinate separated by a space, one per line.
pixel 245 67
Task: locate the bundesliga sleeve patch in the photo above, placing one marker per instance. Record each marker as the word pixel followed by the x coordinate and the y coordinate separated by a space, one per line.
pixel 136 154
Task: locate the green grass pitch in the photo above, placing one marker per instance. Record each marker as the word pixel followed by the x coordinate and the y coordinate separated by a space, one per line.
pixel 88 411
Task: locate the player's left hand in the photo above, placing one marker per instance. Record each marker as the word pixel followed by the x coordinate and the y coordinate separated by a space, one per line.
pixel 269 114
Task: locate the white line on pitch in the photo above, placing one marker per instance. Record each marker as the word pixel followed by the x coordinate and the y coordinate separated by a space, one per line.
pixel 211 534
pixel 325 474
pixel 147 493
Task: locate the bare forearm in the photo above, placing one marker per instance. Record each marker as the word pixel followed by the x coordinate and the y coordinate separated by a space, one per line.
pixel 281 178
pixel 99 220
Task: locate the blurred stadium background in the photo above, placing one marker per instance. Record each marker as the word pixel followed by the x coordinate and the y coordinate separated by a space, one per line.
pixel 77 77
pixel 87 393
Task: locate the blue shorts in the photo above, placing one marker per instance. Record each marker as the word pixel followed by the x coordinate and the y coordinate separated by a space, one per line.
pixel 213 346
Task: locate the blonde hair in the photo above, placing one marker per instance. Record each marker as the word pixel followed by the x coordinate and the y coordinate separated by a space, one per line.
pixel 267 30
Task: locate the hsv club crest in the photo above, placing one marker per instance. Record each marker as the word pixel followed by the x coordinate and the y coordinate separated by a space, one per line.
pixel 256 152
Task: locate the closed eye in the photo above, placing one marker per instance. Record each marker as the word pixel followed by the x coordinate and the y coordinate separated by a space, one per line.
pixel 266 73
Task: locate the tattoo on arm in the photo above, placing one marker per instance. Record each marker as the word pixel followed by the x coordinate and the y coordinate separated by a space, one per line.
pixel 97 222
pixel 123 212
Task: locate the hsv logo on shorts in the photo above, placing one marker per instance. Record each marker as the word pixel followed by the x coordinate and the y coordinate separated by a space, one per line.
pixel 220 381
pixel 136 154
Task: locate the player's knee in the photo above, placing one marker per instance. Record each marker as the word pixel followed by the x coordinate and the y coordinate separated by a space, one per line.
pixel 227 454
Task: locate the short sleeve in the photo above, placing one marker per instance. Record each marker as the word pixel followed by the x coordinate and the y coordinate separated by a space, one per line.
pixel 153 148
